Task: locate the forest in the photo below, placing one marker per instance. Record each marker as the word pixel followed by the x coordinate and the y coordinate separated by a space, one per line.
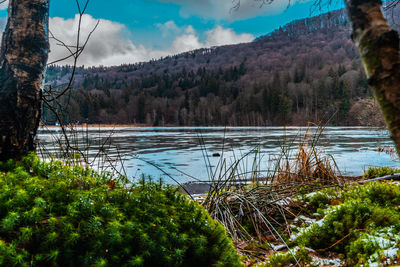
pixel 306 71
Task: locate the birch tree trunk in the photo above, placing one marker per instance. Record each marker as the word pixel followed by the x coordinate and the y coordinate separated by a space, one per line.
pixel 23 59
pixel 378 44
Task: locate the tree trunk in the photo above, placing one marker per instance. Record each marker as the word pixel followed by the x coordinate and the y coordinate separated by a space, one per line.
pixel 378 44
pixel 23 59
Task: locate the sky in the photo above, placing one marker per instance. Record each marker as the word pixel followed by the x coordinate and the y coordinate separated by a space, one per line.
pixel 132 31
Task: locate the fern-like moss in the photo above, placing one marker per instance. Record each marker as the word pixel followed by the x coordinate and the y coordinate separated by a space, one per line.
pixel 52 214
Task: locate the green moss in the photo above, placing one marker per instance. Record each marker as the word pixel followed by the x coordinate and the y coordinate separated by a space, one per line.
pixel 280 259
pixel 375 172
pixel 376 245
pixel 365 227
pixel 371 58
pixel 51 214
pixel 320 200
pixel 317 202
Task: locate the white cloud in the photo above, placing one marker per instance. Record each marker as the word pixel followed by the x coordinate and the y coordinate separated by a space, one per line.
pixel 215 37
pixel 221 36
pixel 168 28
pixel 109 44
pixel 186 42
pixel 225 9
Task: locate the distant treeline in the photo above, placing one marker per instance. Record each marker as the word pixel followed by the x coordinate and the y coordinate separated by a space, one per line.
pixel 308 71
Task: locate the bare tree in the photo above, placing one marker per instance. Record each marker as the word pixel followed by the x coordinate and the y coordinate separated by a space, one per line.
pixel 378 44
pixel 23 57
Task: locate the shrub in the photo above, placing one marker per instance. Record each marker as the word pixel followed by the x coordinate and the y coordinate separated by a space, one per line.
pixel 338 222
pixel 365 227
pixel 383 194
pixel 323 198
pixel 51 214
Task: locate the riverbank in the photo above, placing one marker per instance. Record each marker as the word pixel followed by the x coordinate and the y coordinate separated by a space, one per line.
pixel 349 224
pixel 272 220
pixel 201 188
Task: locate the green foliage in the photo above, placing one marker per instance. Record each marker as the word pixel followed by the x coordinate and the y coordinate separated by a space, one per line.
pixel 322 199
pixel 338 222
pixel 54 215
pixel 365 226
pixel 375 172
pixel 378 245
pixel 381 194
pixel 279 259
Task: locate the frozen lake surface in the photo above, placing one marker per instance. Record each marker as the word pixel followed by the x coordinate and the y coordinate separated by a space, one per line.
pixel 185 153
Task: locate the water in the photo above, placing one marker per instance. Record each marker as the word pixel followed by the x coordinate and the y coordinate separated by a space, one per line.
pixel 185 153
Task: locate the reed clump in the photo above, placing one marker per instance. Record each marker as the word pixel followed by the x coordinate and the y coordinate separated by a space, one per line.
pixel 262 206
pixel 307 163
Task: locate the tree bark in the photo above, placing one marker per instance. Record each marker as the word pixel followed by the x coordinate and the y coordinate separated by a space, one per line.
pixel 378 44
pixel 23 59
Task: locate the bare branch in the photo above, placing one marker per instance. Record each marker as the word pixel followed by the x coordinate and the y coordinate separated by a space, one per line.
pixel 75 51
pixel 51 97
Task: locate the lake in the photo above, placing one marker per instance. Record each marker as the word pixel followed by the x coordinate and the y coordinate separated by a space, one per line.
pixel 186 153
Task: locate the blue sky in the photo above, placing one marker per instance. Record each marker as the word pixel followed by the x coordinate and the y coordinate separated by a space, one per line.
pixel 139 30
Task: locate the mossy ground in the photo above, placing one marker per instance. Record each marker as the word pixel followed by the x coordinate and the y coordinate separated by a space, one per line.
pixel 358 225
pixel 55 215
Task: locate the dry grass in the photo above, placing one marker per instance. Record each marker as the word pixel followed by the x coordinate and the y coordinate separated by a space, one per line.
pixel 307 164
pixel 258 209
pixel 262 207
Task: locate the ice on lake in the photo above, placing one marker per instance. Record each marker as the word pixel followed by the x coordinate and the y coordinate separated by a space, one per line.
pixel 185 153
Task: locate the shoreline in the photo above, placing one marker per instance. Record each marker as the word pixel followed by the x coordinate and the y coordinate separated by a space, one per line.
pixel 96 125
pixel 202 187
pixel 106 125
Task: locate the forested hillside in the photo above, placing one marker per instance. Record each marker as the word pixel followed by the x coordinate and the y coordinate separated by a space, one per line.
pixel 308 70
